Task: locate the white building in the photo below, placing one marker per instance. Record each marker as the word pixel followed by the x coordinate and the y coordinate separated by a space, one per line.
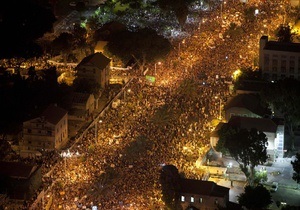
pixel 278 60
pixel 49 131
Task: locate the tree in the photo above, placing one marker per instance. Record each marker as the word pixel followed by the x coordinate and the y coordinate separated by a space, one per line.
pixel 284 96
pixel 284 33
pixel 247 147
pixel 144 46
pixel 179 7
pixel 63 44
pixel 170 184
pixel 255 197
pixel 79 36
pixel 296 168
pixel 249 14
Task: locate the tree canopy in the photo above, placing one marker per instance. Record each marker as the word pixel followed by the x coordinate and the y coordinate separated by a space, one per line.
pixel 255 197
pixel 170 184
pixel 296 168
pixel 284 96
pixel 179 7
pixel 247 147
pixel 284 33
pixel 144 45
pixel 22 22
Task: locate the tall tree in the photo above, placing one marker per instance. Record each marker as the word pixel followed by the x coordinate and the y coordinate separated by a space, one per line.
pixel 63 44
pixel 284 96
pixel 255 198
pixel 247 147
pixel 284 33
pixel 296 168
pixel 144 46
pixel 179 7
pixel 170 183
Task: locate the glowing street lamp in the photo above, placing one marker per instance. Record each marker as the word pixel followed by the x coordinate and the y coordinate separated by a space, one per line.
pixel 159 63
pixel 220 107
pixel 96 130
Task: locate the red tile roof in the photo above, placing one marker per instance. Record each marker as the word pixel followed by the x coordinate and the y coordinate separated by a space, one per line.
pixel 54 114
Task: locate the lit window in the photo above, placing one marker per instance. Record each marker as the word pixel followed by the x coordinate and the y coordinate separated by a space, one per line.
pixel 192 199
pixel 182 198
pixel 216 201
pixel 200 200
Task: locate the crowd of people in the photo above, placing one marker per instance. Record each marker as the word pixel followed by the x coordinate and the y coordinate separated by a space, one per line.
pixel 166 122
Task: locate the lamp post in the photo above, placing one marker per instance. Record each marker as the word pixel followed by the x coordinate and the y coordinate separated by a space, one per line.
pixel 159 63
pixel 220 107
pixel 124 92
pixel 96 130
pixel 179 46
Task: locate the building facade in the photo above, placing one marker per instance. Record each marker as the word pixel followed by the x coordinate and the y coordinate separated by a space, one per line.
pixel 279 60
pixel 203 194
pixel 49 131
pixel 94 68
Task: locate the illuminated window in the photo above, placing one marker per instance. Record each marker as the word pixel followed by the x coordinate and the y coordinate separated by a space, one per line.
pixel 182 198
pixel 216 201
pixel 200 200
pixel 192 199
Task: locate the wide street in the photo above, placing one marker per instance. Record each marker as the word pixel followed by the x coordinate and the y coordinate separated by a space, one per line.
pixel 163 123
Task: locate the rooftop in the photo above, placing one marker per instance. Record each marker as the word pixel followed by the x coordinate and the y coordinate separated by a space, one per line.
pixel 54 114
pixel 16 169
pixel 252 102
pixel 261 124
pixel 97 59
pixel 200 187
pixel 282 46
pixel 80 98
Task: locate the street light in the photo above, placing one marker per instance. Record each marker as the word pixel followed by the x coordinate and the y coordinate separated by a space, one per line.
pixel 96 130
pixel 159 63
pixel 124 92
pixel 220 107
pixel 179 46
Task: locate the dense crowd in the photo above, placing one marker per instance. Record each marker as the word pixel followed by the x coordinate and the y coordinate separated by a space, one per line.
pixel 163 123
pixel 167 122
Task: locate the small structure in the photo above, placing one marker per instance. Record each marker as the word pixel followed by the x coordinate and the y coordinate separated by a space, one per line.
pixel 83 105
pixel 246 105
pixel 49 131
pixel 99 48
pixel 203 194
pixel 20 181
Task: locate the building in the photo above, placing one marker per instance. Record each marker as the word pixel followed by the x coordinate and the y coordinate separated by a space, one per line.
pixel 21 180
pixel 203 194
pixel 278 60
pixel 273 129
pixel 49 131
pixel 99 48
pixel 247 105
pixel 250 87
pixel 94 68
pixel 83 105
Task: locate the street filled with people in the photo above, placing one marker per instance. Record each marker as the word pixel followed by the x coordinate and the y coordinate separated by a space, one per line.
pixel 165 122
